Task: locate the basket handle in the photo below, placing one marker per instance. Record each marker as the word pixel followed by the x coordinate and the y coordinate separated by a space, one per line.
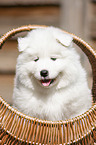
pixel 86 48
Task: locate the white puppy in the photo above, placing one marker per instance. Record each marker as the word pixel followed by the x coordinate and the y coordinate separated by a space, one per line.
pixel 50 82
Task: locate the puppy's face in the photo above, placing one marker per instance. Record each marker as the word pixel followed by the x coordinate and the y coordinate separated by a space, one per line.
pixel 45 67
pixel 45 60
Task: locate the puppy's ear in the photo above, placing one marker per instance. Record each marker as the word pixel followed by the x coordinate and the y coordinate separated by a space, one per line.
pixel 22 44
pixel 64 39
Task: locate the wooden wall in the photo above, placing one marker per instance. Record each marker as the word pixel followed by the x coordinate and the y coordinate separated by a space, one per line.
pixel 12 17
pixel 93 19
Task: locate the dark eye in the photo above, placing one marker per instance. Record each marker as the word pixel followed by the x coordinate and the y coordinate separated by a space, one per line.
pixel 36 59
pixel 53 58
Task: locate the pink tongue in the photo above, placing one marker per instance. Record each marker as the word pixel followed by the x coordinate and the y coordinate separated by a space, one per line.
pixel 45 83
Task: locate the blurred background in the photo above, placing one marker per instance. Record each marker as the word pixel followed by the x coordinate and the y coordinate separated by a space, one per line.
pixel 75 16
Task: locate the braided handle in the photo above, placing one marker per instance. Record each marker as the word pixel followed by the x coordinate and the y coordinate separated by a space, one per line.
pixel 86 48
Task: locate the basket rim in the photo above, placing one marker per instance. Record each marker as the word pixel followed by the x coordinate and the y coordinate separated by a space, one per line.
pixel 23 28
pixel 20 114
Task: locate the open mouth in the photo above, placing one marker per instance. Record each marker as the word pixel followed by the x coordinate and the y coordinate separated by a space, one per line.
pixel 47 82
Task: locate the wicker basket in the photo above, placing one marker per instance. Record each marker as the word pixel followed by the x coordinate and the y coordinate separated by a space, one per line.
pixel 17 128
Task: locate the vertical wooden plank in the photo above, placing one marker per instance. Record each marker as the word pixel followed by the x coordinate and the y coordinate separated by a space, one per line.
pixel 72 16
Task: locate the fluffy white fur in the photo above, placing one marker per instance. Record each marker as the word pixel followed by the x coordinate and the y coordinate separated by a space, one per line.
pixel 66 94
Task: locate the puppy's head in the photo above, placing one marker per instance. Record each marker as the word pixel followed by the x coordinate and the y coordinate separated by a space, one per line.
pixel 47 58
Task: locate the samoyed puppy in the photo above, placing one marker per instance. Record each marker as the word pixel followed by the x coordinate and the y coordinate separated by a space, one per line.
pixel 50 82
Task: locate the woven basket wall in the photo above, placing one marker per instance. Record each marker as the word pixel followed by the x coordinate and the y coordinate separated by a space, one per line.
pixel 19 129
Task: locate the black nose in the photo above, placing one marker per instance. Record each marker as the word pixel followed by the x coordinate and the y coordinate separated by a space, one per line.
pixel 44 73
